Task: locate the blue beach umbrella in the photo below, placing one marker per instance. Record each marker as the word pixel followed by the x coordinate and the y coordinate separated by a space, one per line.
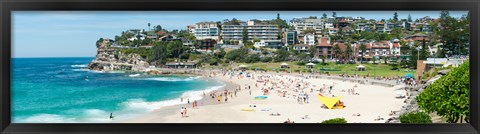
pixel 409 76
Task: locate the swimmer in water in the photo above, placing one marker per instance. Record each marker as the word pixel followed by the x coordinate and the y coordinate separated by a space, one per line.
pixel 111 116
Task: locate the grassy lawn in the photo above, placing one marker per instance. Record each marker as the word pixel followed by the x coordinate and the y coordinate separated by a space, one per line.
pixel 372 69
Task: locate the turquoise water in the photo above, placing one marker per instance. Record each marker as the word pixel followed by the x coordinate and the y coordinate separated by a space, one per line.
pixel 46 90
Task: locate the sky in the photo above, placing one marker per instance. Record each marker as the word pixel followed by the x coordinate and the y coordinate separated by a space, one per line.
pixel 74 33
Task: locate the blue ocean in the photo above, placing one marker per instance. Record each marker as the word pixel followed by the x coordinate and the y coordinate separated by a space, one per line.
pixel 61 90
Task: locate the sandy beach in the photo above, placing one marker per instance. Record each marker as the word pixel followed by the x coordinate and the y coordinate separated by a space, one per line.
pixel 370 101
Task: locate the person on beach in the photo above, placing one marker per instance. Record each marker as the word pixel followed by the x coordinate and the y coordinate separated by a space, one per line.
pixel 219 98
pixel 188 101
pixel 182 111
pixel 195 104
pixel 185 112
pixel 181 99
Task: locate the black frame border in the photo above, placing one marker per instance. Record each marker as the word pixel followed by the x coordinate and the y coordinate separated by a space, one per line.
pixel 7 6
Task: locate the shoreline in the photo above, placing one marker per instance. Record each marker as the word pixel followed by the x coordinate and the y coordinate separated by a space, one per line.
pixel 204 101
pixel 170 114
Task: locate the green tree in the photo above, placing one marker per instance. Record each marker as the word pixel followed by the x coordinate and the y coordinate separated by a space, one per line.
pixel 100 40
pixel 337 51
pixel 414 57
pixel 266 59
pixel 175 48
pixel 335 121
pixel 148 26
pixel 409 18
pixel 395 17
pixel 415 117
pixel 312 51
pixel 220 54
pixel 444 15
pixel 214 61
pixel 324 16
pixel 157 28
pixel 244 35
pixel 449 96
pixel 334 14
pixel 424 51
pixel 159 54
pixel 237 55
pixel 323 57
pixel 252 58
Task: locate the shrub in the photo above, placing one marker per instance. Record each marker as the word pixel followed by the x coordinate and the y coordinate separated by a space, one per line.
pixel 301 63
pixel 252 58
pixel 214 61
pixel 266 59
pixel 449 95
pixel 335 121
pixel 418 117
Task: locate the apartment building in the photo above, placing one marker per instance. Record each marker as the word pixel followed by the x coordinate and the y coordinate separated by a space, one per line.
pixel 301 24
pixel 206 30
pixel 324 48
pixel 290 37
pixel 255 31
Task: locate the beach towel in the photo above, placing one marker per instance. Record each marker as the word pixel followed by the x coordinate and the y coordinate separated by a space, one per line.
pixel 247 109
pixel 266 109
pixel 260 97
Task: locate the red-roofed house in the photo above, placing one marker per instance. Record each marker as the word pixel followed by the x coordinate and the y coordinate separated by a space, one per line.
pixel 324 48
pixel 395 49
pixel 367 54
pixel 160 33
pixel 381 48
pixel 342 46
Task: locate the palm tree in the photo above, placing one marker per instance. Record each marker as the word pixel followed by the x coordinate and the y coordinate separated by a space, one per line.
pixel 149 26
pixel 323 59
pixel 348 51
pixel 363 48
pixel 337 51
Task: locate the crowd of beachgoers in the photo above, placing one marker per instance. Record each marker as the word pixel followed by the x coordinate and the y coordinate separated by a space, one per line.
pixel 270 97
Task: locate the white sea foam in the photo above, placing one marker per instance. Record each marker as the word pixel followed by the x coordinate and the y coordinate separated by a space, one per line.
pixel 142 105
pixel 88 70
pixel 82 65
pixel 134 75
pixel 172 79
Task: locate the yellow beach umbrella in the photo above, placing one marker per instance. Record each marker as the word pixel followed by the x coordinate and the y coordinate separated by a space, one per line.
pixel 329 102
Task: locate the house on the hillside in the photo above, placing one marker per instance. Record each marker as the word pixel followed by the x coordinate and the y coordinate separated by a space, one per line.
pixel 301 48
pixel 309 39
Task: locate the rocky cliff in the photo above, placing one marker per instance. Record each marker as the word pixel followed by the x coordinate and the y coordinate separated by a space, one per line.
pixel 109 58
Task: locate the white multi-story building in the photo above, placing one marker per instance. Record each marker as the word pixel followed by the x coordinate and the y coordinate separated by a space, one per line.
pixel 191 29
pixel 301 24
pixel 329 25
pixel 309 39
pixel 332 31
pixel 206 30
pixel 255 31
